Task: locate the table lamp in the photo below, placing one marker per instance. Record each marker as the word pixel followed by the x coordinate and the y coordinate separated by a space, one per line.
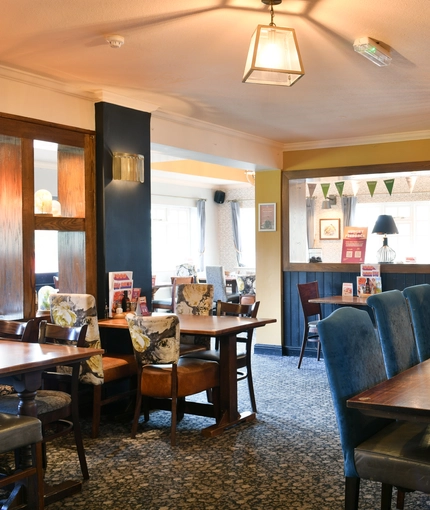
pixel 384 226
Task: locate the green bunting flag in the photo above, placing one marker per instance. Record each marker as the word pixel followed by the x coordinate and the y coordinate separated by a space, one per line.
pixel 325 188
pixel 389 183
pixel 339 187
pixel 371 185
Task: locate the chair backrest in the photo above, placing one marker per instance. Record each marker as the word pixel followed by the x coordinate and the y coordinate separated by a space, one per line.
pixel 187 270
pixel 77 310
pixel 178 280
pixel 354 362
pixel 67 335
pixel 309 291
pixel 195 299
pixel 215 276
pixel 395 331
pixel 20 331
pixel 246 283
pixel 418 299
pixel 241 310
pixel 155 339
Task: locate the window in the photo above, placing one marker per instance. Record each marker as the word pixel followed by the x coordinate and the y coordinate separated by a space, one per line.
pixel 174 236
pixel 247 232
pixel 412 220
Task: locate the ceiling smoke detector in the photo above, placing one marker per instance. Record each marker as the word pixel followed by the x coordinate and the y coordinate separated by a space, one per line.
pixel 115 41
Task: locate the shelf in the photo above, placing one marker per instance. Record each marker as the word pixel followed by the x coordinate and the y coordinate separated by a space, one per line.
pixel 59 223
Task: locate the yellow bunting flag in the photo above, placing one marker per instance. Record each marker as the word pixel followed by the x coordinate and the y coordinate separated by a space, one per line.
pixel 339 187
pixel 389 183
pixel 325 188
pixel 371 185
pixel 311 187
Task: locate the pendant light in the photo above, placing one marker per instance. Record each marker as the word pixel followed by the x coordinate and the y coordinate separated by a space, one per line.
pixel 273 57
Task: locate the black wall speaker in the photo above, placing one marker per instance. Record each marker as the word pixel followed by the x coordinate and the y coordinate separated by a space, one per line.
pixel 219 197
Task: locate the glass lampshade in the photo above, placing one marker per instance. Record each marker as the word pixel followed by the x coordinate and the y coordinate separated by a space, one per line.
pixel 42 202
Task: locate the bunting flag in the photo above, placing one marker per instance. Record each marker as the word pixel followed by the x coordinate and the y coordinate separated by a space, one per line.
pixel 389 183
pixel 311 188
pixel 339 187
pixel 411 183
pixel 355 185
pixel 371 185
pixel 325 188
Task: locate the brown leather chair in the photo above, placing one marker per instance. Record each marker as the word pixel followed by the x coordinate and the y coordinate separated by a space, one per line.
pixel 162 373
pixel 310 332
pixel 170 304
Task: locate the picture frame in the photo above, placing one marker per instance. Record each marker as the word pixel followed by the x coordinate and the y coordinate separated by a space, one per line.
pixel 267 217
pixel 329 229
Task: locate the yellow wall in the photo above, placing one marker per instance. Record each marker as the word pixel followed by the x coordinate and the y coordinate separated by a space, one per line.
pixel 269 259
pixel 383 153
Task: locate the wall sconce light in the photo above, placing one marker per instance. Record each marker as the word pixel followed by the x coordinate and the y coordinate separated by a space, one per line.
pixel 329 201
pixel 128 167
pixel 250 176
pixel 42 202
pixel 385 225
pixel 56 208
pixel 273 56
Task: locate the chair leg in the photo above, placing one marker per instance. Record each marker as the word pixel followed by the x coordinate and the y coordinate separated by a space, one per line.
pixel 174 404
pixel 302 349
pixel 80 447
pixel 136 413
pixel 251 387
pixel 319 351
pixel 352 491
pixel 386 492
pixel 400 499
pixel 97 402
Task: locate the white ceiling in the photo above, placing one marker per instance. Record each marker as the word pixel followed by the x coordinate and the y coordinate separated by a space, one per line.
pixel 188 56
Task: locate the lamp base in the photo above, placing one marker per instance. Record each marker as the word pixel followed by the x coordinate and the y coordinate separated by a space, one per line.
pixel 385 254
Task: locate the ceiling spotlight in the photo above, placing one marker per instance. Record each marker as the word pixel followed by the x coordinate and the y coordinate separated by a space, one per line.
pixel 373 50
pixel 115 41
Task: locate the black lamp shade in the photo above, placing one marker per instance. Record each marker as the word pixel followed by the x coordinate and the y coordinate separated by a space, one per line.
pixel 385 225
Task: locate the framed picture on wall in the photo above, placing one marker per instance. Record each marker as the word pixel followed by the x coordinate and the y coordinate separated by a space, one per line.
pixel 267 217
pixel 329 229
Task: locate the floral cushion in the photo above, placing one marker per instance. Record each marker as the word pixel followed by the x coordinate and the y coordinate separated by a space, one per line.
pixel 77 310
pixel 246 283
pixel 155 339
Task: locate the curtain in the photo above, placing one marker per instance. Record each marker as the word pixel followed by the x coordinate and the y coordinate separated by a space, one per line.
pixel 348 209
pixel 310 221
pixel 235 216
pixel 201 215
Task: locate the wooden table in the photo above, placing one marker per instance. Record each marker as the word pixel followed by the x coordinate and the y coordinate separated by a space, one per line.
pixel 340 300
pixel 22 364
pixel 225 328
pixel 405 396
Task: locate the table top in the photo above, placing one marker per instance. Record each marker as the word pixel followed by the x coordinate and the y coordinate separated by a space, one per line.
pixel 405 396
pixel 340 300
pixel 211 325
pixel 19 357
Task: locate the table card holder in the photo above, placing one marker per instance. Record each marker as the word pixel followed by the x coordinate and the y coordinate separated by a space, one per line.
pixel 347 289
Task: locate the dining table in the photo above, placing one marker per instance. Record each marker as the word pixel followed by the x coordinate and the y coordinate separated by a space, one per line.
pixel 225 328
pixel 22 365
pixel 340 300
pixel 405 396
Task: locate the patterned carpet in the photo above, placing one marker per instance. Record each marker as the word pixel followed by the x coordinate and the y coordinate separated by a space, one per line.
pixel 289 458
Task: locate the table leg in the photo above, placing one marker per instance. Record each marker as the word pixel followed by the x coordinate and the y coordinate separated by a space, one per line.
pixel 228 389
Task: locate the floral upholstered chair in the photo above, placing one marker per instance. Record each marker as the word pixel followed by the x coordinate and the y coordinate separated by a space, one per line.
pixel 246 283
pixel 194 299
pixel 161 372
pixel 79 309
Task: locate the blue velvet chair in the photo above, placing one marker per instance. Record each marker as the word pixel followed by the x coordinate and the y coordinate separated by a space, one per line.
pixel 215 276
pixel 390 452
pixel 418 299
pixel 395 331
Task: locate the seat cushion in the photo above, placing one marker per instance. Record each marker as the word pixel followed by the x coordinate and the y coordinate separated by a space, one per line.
pixel 398 455
pixel 118 366
pixel 46 400
pixel 18 431
pixel 194 376
pixel 212 355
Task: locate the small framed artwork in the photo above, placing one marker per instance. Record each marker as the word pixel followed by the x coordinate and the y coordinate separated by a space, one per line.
pixel 329 229
pixel 267 217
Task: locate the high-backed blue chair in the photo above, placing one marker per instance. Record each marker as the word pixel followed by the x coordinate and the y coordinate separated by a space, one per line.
pixel 395 331
pixel 393 453
pixel 418 299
